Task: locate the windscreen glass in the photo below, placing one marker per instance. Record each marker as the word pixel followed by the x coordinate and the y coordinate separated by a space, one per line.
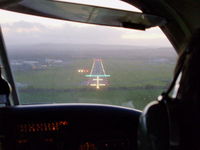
pixel 64 62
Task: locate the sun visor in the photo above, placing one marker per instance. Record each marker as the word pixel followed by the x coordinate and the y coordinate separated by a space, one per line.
pixel 84 13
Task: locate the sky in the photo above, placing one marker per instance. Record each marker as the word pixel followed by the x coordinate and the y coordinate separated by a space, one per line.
pixel 20 29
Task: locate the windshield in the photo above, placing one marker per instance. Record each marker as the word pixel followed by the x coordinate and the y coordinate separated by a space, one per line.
pixel 63 62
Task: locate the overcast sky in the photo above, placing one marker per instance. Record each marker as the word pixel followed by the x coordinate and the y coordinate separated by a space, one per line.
pixel 24 29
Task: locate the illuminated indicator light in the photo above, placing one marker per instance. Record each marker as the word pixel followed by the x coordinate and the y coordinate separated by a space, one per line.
pixel 53 128
pixel 82 70
pixel 97 79
pixel 98 84
pixel 50 126
pixel 65 123
pixel 93 75
pixel 87 146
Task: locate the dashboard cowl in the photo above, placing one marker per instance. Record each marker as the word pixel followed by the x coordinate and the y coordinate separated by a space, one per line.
pixel 69 126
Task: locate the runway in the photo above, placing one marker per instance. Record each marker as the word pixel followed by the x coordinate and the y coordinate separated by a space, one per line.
pixel 97 76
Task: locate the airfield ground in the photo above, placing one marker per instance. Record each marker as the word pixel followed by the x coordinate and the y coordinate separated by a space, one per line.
pixel 135 80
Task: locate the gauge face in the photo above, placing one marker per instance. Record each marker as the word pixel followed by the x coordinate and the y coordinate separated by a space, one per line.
pixel 87 146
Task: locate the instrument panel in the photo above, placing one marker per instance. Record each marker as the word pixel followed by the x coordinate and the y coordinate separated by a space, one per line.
pixel 72 127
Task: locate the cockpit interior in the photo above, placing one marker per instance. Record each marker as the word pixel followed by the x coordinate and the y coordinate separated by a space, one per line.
pixel 169 123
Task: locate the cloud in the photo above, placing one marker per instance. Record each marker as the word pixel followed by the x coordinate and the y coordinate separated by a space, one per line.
pixel 64 33
pixel 142 36
pixel 22 27
pixel 25 32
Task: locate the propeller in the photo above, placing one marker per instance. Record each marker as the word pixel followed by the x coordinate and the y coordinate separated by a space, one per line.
pixel 83 13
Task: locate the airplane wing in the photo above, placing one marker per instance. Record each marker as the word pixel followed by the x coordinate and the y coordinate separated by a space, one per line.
pixel 83 13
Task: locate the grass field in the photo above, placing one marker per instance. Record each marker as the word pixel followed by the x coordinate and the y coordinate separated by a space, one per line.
pixel 133 83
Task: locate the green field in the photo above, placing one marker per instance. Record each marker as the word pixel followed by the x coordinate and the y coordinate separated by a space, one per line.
pixel 133 83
